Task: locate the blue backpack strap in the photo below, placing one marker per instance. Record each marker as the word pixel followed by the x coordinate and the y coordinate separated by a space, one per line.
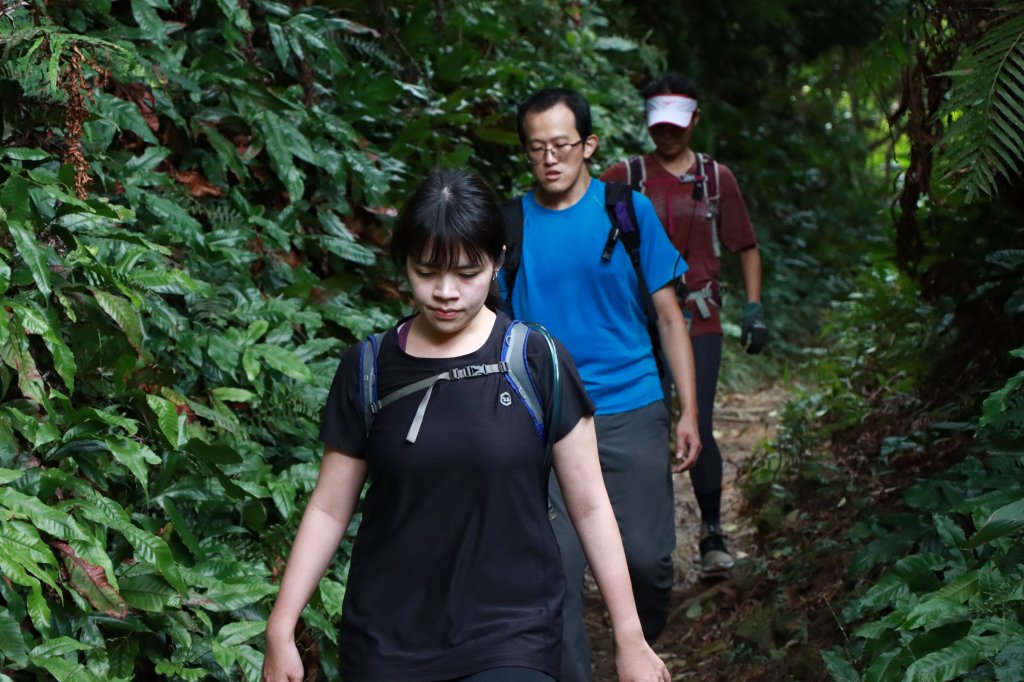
pixel 368 375
pixel 513 353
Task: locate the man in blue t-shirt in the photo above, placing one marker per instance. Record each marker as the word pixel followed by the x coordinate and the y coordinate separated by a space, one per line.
pixel 594 307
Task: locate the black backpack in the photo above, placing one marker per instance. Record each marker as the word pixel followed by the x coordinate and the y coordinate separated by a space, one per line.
pixel 618 202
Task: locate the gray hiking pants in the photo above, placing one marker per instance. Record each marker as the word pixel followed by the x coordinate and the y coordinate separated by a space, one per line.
pixel 634 452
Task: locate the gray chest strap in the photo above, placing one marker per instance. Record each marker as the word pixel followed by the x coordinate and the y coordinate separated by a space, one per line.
pixel 459 373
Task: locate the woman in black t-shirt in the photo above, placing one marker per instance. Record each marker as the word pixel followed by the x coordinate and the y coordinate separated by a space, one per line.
pixel 455 573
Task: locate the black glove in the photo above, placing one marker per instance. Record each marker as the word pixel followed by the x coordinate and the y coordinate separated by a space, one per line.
pixel 755 331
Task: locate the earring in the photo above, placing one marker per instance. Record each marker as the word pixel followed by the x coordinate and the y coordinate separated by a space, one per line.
pixel 495 276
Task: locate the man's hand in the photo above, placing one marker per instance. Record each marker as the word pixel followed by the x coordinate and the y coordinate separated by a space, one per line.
pixel 755 331
pixel 687 444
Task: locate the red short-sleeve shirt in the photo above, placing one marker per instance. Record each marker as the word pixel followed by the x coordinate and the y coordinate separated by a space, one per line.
pixel 688 226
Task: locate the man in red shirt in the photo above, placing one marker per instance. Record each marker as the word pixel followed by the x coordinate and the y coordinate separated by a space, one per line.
pixel 700 205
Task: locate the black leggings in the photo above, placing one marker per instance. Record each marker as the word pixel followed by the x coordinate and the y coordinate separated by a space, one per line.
pixel 507 674
pixel 706 475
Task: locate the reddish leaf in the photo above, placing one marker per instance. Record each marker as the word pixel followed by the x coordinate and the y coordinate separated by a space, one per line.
pixel 198 185
pixel 91 582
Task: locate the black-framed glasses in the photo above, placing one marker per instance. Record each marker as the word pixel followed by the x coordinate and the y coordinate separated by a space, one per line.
pixel 538 152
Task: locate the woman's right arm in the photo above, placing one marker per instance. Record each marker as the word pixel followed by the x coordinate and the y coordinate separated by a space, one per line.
pixel 323 524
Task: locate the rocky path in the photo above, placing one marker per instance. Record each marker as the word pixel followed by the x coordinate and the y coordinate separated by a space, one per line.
pixel 692 637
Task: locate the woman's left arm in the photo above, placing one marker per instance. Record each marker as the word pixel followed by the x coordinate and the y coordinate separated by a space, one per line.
pixel 579 474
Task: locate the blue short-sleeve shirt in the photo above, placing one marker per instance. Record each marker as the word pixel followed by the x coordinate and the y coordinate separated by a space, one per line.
pixel 591 305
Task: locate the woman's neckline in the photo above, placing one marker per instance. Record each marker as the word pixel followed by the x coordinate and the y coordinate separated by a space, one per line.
pixel 402 336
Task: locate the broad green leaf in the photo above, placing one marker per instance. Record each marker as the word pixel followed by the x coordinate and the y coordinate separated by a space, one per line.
pixel 281 139
pixel 125 116
pixel 231 597
pixel 176 218
pixel 52 656
pixel 33 255
pixel 130 426
pixel 888 666
pixel 349 250
pixel 935 611
pixel 146 592
pixel 255 331
pixel 34 321
pixel 122 653
pixel 1003 521
pixel 172 424
pixel 24 562
pixel 251 363
pixel 12 641
pixel 38 610
pixel 58 646
pixel 233 395
pixel 284 361
pixel 839 667
pixel 239 632
pixel 23 539
pixel 1009 663
pixel 962 588
pixel 133 455
pixel 238 15
pixel 14 199
pixel 226 151
pixel 14 570
pixel 181 527
pixel 957 659
pixel 8 475
pixel 283 494
pixel 150 23
pixel 250 660
pixel 225 656
pixel 5 277
pixel 122 312
pixel 23 154
pixel 171 281
pixel 331 594
pixel 42 516
pixel 148 547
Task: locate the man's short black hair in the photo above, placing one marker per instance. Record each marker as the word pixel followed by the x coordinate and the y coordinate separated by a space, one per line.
pixel 549 97
pixel 670 83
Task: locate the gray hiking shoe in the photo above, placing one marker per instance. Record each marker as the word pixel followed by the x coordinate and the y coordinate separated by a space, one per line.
pixel 715 558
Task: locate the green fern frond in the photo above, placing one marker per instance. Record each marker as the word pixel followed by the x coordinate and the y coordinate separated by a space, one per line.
pixel 986 139
pixel 370 48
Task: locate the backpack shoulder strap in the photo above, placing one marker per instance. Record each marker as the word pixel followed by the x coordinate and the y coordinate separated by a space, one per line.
pixel 512 213
pixel 618 202
pixel 546 413
pixel 708 168
pixel 636 173
pixel 713 192
pixel 368 376
pixel 618 199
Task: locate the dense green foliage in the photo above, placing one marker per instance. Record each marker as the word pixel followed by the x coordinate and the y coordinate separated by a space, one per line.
pixel 194 199
pixel 194 195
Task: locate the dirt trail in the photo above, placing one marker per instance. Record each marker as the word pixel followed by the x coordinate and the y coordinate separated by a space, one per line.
pixel 692 637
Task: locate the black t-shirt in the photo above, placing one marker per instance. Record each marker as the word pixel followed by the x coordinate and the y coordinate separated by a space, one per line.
pixel 455 568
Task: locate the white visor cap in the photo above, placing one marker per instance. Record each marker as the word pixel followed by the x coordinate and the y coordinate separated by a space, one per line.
pixel 676 110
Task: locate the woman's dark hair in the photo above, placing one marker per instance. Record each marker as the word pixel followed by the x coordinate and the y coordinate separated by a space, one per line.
pixel 452 213
pixel 547 98
pixel 670 84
